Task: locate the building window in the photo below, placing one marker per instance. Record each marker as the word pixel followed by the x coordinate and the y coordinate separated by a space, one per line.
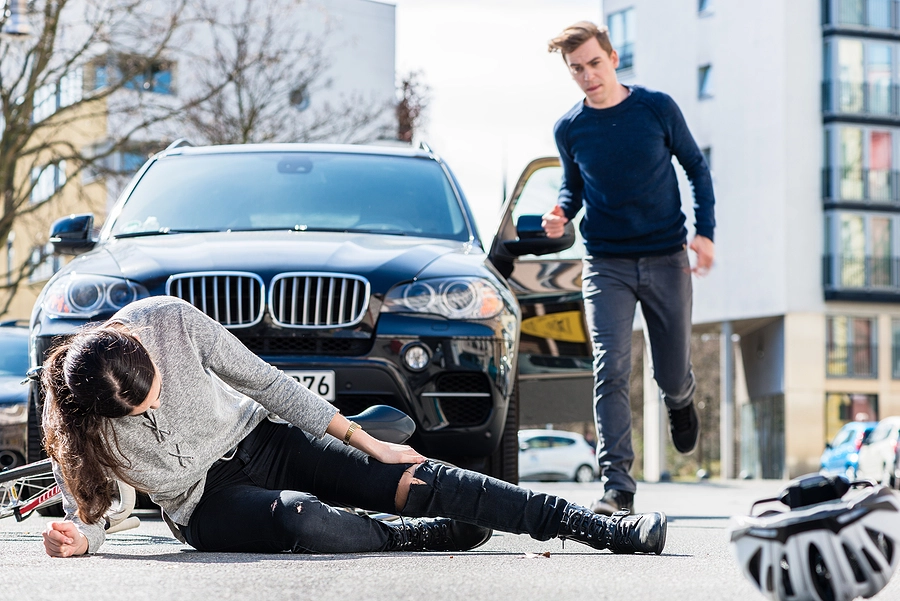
pixel 851 347
pixel 704 82
pixel 52 97
pixel 895 349
pixel 132 161
pixel 47 181
pixel 841 408
pixel 859 164
pixel 859 77
pixel 44 263
pixel 860 251
pixel 622 36
pixel 145 75
pixel 859 13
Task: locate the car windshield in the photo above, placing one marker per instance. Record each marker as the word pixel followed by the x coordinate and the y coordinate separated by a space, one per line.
pixel 13 355
pixel 298 191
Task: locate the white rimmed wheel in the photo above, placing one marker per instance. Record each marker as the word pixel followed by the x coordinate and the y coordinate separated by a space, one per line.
pixel 584 473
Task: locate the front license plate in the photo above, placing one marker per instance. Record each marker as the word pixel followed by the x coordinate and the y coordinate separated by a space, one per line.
pixel 320 382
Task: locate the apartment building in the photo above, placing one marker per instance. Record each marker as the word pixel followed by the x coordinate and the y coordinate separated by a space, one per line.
pixel 796 105
pixel 356 40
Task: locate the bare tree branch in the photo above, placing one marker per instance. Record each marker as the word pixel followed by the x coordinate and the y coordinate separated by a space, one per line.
pixel 247 76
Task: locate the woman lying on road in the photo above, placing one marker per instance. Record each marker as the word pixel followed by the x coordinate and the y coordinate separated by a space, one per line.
pixel 143 398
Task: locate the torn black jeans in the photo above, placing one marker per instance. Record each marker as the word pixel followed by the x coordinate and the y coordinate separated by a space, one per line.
pixel 275 496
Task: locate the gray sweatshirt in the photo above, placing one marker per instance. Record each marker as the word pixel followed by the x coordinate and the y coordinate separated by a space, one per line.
pixel 214 392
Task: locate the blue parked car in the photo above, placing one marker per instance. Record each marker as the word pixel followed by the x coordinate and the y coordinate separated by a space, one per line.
pixel 841 455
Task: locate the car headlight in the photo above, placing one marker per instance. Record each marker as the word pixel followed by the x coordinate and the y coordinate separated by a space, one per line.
pixel 83 296
pixel 455 298
pixel 13 414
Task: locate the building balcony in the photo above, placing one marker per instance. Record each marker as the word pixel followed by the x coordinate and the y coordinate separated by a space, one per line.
pixel 872 189
pixel 861 16
pixel 861 102
pixel 851 360
pixel 873 279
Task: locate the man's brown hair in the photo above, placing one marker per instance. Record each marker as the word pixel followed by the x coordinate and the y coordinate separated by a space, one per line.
pixel 575 35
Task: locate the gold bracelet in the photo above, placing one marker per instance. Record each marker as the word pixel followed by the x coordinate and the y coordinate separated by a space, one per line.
pixel 353 428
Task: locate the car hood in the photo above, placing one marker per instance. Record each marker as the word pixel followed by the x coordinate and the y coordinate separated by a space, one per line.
pixel 382 259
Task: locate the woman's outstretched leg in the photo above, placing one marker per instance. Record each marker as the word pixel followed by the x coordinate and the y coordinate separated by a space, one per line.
pixel 439 490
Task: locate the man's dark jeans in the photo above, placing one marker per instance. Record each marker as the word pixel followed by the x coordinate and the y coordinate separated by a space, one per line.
pixel 611 288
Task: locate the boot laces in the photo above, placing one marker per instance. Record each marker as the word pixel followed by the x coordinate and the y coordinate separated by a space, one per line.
pixel 583 522
pixel 418 534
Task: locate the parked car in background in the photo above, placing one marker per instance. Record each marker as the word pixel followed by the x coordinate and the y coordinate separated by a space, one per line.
pixel 555 455
pixel 841 455
pixel 13 395
pixel 878 455
pixel 357 270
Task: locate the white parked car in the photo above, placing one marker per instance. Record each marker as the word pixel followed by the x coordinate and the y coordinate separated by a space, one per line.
pixel 878 455
pixel 555 455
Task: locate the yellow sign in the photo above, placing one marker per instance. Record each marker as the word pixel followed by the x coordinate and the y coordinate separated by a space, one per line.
pixel 565 326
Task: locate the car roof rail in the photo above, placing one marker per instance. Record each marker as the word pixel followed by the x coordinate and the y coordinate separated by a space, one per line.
pixel 424 146
pixel 180 142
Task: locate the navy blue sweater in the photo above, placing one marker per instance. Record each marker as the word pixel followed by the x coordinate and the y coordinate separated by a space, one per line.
pixel 617 162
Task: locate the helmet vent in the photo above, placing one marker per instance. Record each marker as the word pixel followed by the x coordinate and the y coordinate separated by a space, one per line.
pixel 871 561
pixel 753 566
pixel 854 564
pixel 820 574
pixel 786 576
pixel 884 544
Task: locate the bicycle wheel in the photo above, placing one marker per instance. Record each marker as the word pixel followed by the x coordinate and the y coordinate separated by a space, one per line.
pixel 26 489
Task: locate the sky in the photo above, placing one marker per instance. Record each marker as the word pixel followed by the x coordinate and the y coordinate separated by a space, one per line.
pixel 495 91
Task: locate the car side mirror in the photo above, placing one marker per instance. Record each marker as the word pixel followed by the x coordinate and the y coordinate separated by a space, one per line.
pixel 531 239
pixel 72 235
pixel 523 447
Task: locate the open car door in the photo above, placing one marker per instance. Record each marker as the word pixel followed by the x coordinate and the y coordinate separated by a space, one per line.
pixel 555 367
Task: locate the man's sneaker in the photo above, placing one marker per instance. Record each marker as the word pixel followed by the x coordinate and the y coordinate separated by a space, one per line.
pixel 620 533
pixel 436 534
pixel 612 501
pixel 684 424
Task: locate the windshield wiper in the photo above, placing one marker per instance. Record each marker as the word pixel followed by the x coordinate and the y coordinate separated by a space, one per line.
pixel 163 231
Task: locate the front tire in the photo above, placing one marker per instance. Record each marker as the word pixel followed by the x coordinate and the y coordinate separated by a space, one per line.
pixel 504 462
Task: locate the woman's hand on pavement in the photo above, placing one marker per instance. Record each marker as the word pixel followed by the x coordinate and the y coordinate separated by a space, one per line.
pixel 63 539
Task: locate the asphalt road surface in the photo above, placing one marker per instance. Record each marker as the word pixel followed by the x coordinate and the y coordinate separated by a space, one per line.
pixel 147 563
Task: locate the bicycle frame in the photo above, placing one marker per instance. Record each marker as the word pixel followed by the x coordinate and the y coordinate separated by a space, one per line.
pixel 26 489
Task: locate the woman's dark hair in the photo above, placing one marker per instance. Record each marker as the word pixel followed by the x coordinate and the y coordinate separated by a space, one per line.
pixel 97 375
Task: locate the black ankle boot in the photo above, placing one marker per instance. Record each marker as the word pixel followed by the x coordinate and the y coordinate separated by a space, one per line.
pixel 436 534
pixel 620 533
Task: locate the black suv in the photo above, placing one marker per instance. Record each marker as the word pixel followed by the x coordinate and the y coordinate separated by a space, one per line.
pixel 357 270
